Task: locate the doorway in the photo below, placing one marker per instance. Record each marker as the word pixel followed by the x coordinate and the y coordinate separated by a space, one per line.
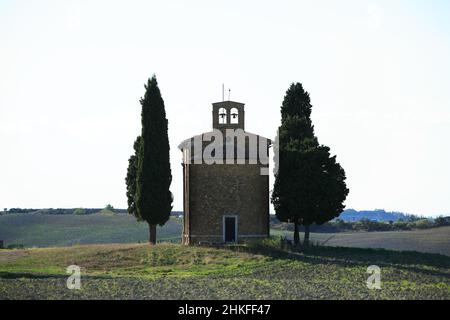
pixel 230 229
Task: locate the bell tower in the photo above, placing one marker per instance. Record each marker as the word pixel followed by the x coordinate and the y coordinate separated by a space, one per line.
pixel 228 115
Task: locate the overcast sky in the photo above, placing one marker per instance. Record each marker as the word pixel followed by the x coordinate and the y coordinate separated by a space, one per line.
pixel 72 73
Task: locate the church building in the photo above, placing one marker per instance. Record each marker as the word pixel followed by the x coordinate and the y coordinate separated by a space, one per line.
pixel 225 181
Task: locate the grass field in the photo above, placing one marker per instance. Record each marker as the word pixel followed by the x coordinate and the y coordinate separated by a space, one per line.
pixel 43 230
pixel 434 240
pixel 66 230
pixel 169 271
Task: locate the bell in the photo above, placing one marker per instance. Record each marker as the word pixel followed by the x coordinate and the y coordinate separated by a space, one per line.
pixel 234 115
pixel 222 115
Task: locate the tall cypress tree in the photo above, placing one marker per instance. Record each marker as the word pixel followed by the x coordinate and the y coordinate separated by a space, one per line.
pixel 130 179
pixel 309 185
pixel 153 175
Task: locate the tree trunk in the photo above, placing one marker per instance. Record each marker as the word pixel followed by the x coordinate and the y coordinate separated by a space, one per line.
pixel 152 234
pixel 306 241
pixel 296 234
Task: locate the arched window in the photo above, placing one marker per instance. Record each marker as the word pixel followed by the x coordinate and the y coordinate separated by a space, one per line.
pixel 222 116
pixel 234 116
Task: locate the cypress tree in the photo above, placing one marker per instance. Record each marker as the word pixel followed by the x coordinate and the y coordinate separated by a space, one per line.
pixel 130 179
pixel 153 174
pixel 309 185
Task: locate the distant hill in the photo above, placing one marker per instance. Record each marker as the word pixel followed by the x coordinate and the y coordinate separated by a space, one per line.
pixel 375 215
pixel 380 215
pixel 51 230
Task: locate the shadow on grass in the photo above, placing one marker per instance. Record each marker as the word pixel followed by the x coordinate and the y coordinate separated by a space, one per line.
pixel 366 255
pixel 40 276
pixel 346 257
pixel 19 275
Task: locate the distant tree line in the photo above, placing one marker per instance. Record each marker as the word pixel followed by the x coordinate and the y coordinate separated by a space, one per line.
pixel 61 211
pixel 339 225
pixel 77 211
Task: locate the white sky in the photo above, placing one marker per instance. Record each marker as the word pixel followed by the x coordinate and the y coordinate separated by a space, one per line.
pixel 72 73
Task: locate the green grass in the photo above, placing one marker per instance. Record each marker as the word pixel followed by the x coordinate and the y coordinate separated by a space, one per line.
pixel 126 260
pixel 254 271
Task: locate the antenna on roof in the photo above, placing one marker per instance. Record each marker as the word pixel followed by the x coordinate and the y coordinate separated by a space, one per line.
pixel 229 93
pixel 223 92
